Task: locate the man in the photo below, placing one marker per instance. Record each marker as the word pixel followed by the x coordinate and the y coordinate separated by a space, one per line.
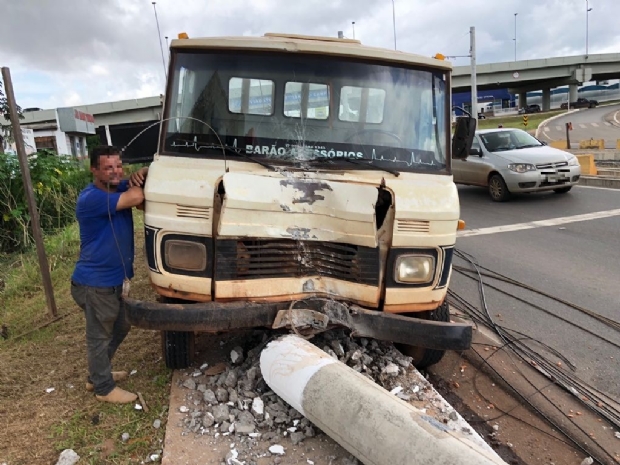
pixel 105 264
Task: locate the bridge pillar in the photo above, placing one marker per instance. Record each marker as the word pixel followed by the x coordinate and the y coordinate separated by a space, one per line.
pixel 546 99
pixel 522 99
pixel 572 92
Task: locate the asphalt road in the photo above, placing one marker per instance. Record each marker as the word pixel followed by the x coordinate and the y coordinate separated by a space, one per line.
pixel 593 123
pixel 578 261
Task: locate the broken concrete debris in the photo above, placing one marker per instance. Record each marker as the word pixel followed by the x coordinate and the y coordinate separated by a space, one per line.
pixel 68 457
pixel 234 401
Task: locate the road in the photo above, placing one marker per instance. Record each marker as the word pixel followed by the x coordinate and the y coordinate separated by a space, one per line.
pixel 575 260
pixel 595 123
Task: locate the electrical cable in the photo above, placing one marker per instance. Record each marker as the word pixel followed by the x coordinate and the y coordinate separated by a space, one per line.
pixel 519 348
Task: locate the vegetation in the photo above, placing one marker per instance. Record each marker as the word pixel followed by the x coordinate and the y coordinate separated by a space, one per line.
pixel 38 354
pixel 57 181
pixel 533 120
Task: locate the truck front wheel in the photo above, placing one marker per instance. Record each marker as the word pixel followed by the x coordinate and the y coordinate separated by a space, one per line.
pixel 177 348
pixel 422 357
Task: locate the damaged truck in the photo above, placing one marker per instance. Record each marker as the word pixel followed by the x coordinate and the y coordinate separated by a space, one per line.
pixel 303 183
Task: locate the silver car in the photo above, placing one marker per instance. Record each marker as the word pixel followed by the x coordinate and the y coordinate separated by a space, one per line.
pixel 509 161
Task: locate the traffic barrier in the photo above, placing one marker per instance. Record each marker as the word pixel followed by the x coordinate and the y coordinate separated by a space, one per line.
pixel 375 426
pixel 558 144
pixel 618 144
pixel 587 164
pixel 592 144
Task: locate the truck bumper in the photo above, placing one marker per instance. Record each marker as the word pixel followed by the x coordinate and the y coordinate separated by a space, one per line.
pixel 305 317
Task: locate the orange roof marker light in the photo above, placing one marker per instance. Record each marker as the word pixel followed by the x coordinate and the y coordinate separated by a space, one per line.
pixel 439 56
pixel 183 35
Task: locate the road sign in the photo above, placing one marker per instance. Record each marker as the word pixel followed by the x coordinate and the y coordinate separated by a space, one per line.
pixel 524 120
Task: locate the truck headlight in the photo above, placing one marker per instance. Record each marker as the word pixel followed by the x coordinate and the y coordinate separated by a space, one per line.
pixel 414 269
pixel 521 167
pixel 185 255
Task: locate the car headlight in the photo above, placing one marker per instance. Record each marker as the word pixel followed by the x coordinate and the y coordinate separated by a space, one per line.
pixel 573 162
pixel 521 167
pixel 185 255
pixel 414 269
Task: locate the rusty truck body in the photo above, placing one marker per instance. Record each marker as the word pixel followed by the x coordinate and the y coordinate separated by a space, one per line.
pixel 302 182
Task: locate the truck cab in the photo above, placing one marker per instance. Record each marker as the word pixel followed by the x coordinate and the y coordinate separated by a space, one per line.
pixel 303 183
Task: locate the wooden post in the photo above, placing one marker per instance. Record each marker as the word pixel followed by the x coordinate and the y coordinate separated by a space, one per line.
pixel 569 126
pixel 32 205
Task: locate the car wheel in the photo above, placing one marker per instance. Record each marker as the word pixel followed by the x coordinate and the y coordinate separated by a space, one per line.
pixel 422 357
pixel 562 190
pixel 497 188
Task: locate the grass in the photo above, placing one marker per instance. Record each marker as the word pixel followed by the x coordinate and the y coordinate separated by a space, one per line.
pixel 35 426
pixel 517 121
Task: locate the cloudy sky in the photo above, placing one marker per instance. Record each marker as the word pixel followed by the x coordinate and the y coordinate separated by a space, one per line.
pixel 69 52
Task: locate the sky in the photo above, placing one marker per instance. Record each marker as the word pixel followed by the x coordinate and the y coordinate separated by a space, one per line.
pixel 72 52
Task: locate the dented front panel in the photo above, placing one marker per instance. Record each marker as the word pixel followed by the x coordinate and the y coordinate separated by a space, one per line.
pixel 279 236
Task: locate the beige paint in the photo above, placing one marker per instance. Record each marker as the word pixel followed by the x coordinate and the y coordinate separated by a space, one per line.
pixel 312 45
pixel 334 205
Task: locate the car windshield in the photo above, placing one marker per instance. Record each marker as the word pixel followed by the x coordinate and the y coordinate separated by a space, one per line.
pixel 295 108
pixel 500 141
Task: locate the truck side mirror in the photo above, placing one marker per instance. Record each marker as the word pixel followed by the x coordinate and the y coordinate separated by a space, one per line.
pixel 463 137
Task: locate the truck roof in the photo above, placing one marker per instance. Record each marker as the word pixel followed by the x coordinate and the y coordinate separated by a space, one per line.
pixel 312 45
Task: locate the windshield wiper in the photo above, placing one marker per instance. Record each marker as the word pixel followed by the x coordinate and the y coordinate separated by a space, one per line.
pixel 355 161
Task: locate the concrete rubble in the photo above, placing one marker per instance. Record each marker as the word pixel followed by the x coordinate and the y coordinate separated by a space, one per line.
pixel 68 457
pixel 238 405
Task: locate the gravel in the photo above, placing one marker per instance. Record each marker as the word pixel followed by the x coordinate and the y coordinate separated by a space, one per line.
pixel 237 404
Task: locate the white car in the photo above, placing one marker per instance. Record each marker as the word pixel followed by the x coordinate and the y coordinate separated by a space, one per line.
pixel 509 161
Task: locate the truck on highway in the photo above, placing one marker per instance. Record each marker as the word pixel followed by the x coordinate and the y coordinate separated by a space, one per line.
pixel 304 183
pixel 580 103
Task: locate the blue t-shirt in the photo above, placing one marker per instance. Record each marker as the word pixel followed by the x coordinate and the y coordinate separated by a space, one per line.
pixel 104 261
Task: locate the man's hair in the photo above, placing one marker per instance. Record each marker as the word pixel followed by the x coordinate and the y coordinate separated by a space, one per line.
pixel 102 151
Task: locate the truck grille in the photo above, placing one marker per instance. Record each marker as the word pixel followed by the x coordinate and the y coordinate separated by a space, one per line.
pixel 256 259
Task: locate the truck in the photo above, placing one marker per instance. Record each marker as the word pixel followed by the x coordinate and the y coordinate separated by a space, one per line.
pixel 301 184
pixel 580 103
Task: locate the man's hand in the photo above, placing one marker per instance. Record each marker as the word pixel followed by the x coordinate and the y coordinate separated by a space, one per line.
pixel 138 178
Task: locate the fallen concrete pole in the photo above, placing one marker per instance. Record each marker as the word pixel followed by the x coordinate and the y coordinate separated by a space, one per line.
pixel 365 419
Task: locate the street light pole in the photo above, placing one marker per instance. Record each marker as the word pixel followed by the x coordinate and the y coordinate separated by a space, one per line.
pixel 353 24
pixel 588 10
pixel 394 22
pixel 515 39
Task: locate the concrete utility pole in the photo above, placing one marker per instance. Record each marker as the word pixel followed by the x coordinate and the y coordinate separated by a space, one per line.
pixel 29 191
pixel 353 24
pixel 474 87
pixel 394 22
pixel 588 10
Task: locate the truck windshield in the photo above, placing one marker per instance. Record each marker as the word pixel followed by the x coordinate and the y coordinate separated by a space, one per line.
pixel 291 109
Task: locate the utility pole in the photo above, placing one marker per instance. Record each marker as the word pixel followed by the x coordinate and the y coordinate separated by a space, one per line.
pixel 28 190
pixel 394 22
pixel 474 87
pixel 588 10
pixel 353 24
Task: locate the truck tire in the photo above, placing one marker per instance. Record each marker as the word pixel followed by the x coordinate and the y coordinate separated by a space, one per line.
pixel 424 358
pixel 177 348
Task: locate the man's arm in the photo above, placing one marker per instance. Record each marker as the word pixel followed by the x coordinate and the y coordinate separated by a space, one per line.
pixel 132 197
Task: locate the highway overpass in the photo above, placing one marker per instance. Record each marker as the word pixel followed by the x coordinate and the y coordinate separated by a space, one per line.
pixel 543 74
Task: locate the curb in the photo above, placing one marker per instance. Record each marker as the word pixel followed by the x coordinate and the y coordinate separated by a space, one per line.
pixel 600 181
pixel 544 123
pixel 612 118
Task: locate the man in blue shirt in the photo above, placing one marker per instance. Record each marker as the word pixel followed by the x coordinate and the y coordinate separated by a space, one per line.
pixel 106 262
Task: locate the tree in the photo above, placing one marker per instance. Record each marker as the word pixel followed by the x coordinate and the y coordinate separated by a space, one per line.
pixel 6 132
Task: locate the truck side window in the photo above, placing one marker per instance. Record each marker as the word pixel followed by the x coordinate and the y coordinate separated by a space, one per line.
pixel 250 96
pixel 352 99
pixel 307 99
